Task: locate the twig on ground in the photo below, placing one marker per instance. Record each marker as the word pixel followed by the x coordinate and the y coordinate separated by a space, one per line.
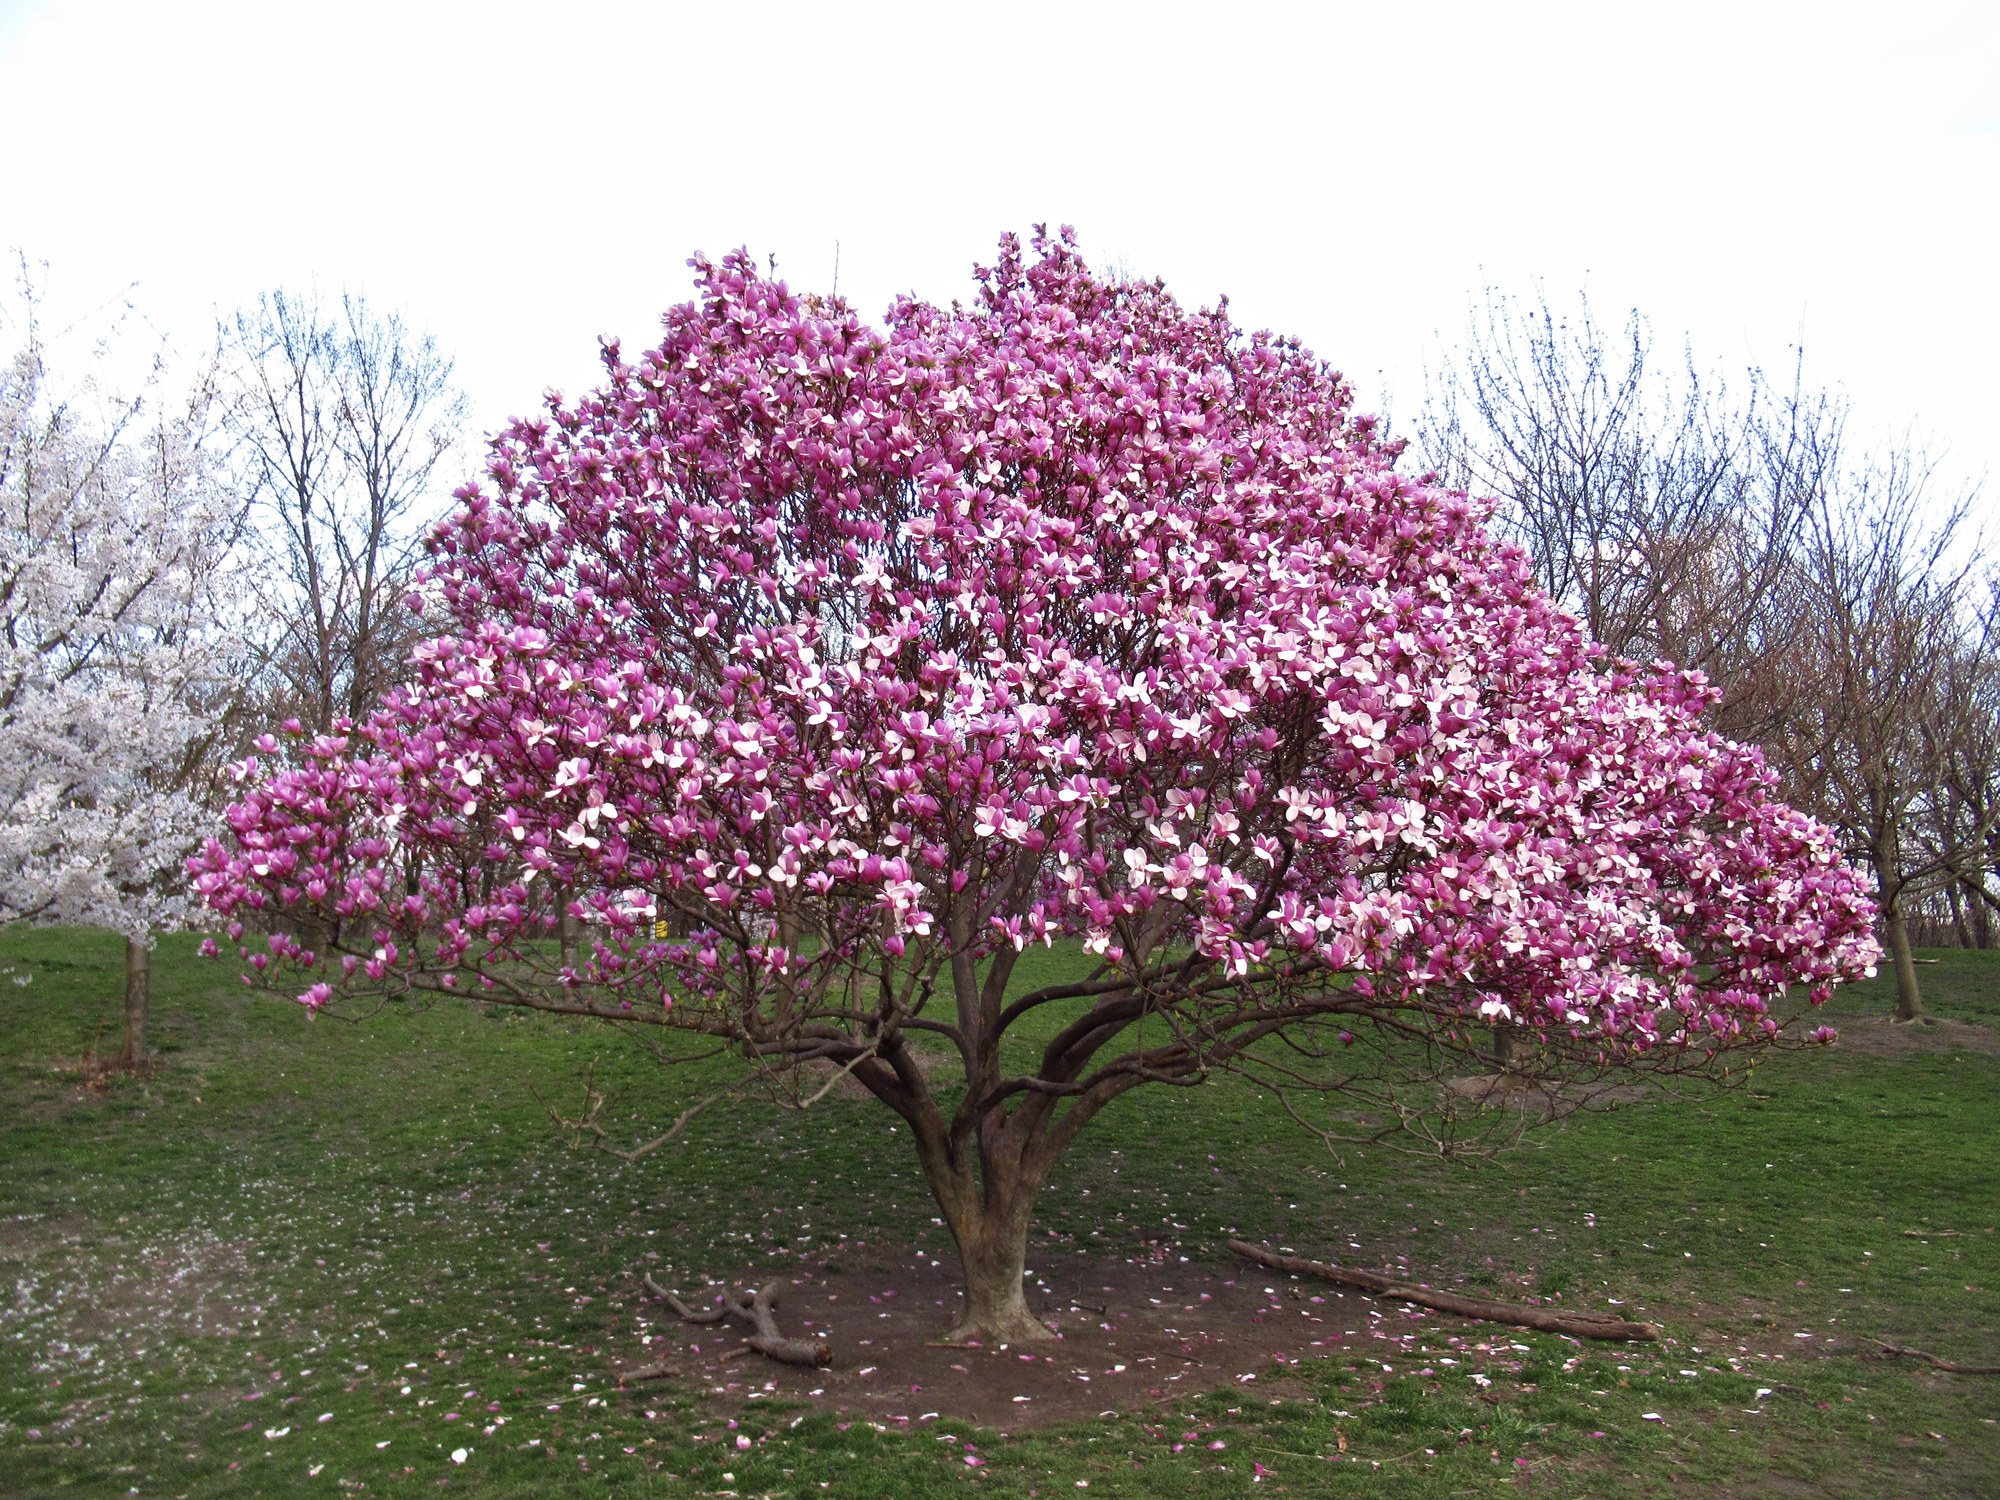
pixel 759 1312
pixel 1934 1362
pixel 1582 1324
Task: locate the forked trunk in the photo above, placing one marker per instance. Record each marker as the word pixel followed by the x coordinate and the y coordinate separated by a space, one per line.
pixel 138 996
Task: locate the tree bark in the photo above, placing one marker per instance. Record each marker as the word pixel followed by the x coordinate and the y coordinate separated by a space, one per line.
pixel 314 937
pixel 993 1256
pixel 1961 929
pixel 1982 904
pixel 1909 995
pixel 760 1312
pixel 138 995
pixel 1934 1362
pixel 988 1214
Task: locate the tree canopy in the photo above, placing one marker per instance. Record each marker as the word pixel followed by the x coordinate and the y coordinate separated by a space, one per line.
pixel 822 668
pixel 115 597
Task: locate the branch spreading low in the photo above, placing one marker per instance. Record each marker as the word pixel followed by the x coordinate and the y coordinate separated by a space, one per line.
pixel 1577 1324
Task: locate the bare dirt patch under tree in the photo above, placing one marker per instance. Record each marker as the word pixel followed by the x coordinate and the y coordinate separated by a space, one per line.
pixel 1134 1336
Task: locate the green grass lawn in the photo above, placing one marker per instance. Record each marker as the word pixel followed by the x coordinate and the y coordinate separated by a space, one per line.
pixel 286 1263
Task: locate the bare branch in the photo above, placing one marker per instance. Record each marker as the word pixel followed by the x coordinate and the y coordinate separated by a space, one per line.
pixel 585 1124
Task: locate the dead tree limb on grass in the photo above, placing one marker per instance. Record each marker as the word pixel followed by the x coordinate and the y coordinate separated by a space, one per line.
pixel 1578 1323
pixel 657 1371
pixel 1934 1362
pixel 759 1313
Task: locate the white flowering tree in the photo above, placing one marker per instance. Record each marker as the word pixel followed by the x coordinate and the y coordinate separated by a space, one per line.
pixel 115 593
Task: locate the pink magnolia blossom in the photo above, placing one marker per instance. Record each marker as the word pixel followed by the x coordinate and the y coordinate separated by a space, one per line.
pixel 821 668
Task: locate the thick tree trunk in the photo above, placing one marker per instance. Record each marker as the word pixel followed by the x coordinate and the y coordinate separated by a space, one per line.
pixel 1909 996
pixel 1514 1053
pixel 988 1216
pixel 138 995
pixel 314 937
pixel 994 1260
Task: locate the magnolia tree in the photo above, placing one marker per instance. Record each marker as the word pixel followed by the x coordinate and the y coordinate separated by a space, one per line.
pixel 113 587
pixel 824 668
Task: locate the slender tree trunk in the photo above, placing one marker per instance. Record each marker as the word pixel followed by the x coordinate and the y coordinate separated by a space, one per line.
pixel 1887 860
pixel 1909 997
pixel 1978 899
pixel 1960 927
pixel 138 994
pixel 566 930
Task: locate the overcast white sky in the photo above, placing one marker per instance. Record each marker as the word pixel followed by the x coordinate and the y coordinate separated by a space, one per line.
pixel 520 178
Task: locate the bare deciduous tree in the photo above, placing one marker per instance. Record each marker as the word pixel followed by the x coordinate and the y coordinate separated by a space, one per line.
pixel 347 420
pixel 1660 511
pixel 1960 823
pixel 1877 706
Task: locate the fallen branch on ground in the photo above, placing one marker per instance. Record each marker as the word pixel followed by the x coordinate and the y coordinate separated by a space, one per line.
pixel 759 1313
pixel 1935 1362
pixel 648 1372
pixel 1579 1323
